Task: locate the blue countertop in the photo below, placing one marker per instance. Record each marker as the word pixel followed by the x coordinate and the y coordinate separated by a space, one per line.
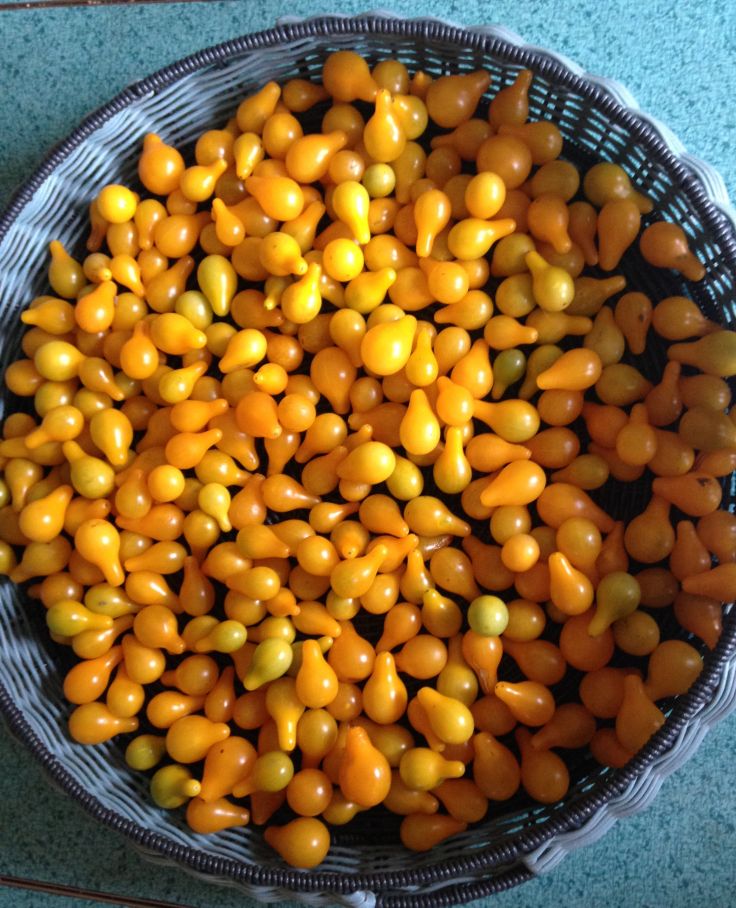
pixel 678 60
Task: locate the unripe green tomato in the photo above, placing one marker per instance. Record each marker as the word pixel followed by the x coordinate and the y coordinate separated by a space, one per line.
pixel 488 616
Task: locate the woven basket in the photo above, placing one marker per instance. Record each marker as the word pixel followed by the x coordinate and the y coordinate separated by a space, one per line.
pixel 598 120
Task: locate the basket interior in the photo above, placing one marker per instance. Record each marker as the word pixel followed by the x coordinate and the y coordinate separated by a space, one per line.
pixel 31 669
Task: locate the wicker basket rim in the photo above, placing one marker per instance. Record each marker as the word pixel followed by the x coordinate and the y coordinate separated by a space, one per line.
pixel 715 220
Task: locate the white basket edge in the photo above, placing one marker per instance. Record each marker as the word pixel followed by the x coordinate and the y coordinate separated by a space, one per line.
pixel 643 790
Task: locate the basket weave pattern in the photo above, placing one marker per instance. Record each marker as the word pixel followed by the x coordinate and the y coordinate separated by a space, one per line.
pixel 181 102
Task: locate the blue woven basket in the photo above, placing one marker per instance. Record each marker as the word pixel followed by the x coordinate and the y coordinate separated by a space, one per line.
pixel 598 120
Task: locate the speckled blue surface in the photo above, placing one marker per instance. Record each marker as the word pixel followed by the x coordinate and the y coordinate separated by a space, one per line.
pixel 677 59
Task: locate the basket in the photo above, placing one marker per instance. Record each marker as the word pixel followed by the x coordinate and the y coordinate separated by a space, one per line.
pixel 599 120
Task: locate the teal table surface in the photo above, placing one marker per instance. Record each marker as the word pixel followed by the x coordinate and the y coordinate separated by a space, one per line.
pixel 678 60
